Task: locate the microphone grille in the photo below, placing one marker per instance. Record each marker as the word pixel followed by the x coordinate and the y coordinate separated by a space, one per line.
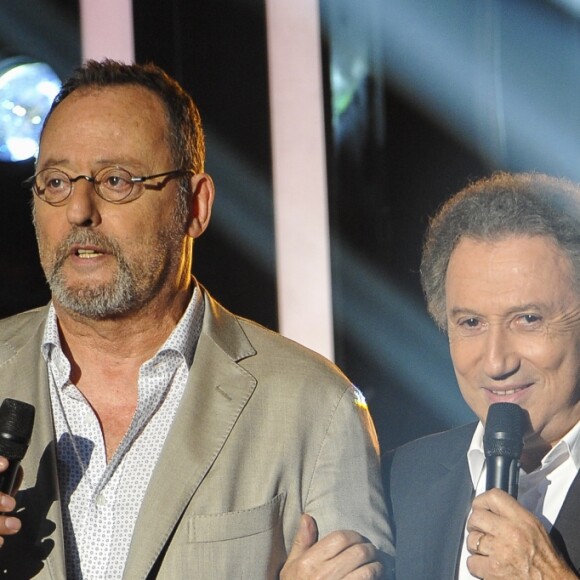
pixel 504 431
pixel 16 423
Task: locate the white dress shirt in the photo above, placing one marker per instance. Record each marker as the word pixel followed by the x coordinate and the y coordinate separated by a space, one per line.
pixel 100 501
pixel 541 492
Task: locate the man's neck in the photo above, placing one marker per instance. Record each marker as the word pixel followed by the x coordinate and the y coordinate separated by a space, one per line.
pixel 135 336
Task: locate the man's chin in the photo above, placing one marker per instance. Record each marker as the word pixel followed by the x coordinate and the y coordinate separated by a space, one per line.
pixel 94 302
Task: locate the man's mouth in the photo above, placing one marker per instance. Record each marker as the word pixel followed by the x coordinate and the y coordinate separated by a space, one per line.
pixel 87 254
pixel 508 392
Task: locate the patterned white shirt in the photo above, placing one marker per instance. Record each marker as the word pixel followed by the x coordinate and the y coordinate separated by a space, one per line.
pixel 101 501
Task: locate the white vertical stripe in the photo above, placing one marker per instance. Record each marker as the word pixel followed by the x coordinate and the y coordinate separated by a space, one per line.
pixel 107 30
pixel 299 169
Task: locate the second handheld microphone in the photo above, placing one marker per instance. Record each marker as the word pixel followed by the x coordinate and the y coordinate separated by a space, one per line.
pixel 503 443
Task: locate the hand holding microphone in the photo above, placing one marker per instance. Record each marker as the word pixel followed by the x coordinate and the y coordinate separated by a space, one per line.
pixel 16 423
pixel 505 539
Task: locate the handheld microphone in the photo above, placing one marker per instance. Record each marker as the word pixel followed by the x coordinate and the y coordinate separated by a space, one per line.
pixel 16 422
pixel 503 443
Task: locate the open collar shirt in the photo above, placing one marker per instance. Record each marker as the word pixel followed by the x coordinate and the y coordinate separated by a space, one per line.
pixel 541 492
pixel 101 501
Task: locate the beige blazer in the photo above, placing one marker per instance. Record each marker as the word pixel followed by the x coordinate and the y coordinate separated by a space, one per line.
pixel 266 430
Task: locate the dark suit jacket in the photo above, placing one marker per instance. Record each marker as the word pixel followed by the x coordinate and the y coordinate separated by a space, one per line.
pixel 430 493
pixel 266 430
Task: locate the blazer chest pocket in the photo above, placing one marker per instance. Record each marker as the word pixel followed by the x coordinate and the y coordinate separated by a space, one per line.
pixel 246 544
pixel 238 524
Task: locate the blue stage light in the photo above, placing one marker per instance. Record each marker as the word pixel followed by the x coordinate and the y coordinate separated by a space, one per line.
pixel 27 90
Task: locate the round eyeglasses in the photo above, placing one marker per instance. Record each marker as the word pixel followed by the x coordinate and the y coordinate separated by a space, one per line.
pixel 113 184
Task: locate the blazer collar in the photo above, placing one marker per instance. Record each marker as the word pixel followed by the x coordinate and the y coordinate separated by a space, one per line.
pixel 217 391
pixel 452 506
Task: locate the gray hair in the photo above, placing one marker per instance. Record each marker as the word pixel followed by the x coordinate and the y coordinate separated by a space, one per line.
pixel 526 204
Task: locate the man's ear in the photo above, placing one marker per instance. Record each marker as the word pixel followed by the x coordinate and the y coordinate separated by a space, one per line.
pixel 203 193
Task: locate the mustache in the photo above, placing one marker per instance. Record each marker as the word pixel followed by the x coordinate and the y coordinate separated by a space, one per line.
pixel 84 237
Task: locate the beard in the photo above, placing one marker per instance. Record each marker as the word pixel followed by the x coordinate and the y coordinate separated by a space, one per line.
pixel 135 281
pixel 101 301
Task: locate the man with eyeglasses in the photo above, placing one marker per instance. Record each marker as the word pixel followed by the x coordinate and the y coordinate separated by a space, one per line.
pixel 172 438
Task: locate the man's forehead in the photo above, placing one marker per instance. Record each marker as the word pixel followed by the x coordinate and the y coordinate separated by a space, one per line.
pixel 118 95
pixel 472 244
pixel 111 114
pixel 516 269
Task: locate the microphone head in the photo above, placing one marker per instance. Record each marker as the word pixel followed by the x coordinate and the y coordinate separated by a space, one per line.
pixel 504 431
pixel 16 423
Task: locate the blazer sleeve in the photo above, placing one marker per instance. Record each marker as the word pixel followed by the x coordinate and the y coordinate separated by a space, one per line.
pixel 346 488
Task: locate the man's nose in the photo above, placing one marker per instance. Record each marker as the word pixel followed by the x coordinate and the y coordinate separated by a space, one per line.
pixel 83 204
pixel 501 358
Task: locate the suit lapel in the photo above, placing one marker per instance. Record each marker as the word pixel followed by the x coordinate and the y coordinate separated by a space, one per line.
pixel 217 392
pixel 431 498
pixel 448 514
pixel 565 532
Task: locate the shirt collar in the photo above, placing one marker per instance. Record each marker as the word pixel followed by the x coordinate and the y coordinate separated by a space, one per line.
pixel 568 446
pixel 183 339
pixel 185 335
pixel 476 456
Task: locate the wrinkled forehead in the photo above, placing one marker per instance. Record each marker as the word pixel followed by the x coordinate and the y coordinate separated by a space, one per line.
pixel 526 257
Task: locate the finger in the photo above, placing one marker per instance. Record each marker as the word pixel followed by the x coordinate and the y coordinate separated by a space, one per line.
pixel 3 463
pixel 371 571
pixel 496 501
pixel 7 503
pixel 356 561
pixel 493 510
pixel 476 565
pixel 305 537
pixel 483 520
pixel 475 543
pixel 9 525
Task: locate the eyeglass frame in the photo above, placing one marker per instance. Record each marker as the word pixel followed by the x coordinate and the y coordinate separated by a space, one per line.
pixel 30 182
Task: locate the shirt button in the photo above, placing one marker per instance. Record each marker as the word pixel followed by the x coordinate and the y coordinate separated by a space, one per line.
pixel 101 500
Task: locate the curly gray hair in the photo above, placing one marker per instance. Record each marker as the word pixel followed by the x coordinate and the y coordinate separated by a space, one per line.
pixel 505 204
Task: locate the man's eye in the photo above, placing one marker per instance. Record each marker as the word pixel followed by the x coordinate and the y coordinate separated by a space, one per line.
pixel 55 183
pixel 117 183
pixel 469 323
pixel 530 318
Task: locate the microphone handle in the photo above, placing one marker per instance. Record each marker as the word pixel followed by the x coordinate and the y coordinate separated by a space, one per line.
pixel 503 473
pixel 8 477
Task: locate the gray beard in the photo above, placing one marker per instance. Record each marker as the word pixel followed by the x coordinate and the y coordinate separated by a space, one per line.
pixel 124 294
pixel 117 298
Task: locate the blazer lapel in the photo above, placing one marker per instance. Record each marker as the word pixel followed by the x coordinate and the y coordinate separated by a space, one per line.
pixel 430 510
pixel 217 391
pixel 565 532
pixel 449 514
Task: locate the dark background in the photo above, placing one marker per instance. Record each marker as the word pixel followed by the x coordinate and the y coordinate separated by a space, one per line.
pixel 449 92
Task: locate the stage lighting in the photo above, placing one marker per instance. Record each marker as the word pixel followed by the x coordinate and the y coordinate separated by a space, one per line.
pixel 27 89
